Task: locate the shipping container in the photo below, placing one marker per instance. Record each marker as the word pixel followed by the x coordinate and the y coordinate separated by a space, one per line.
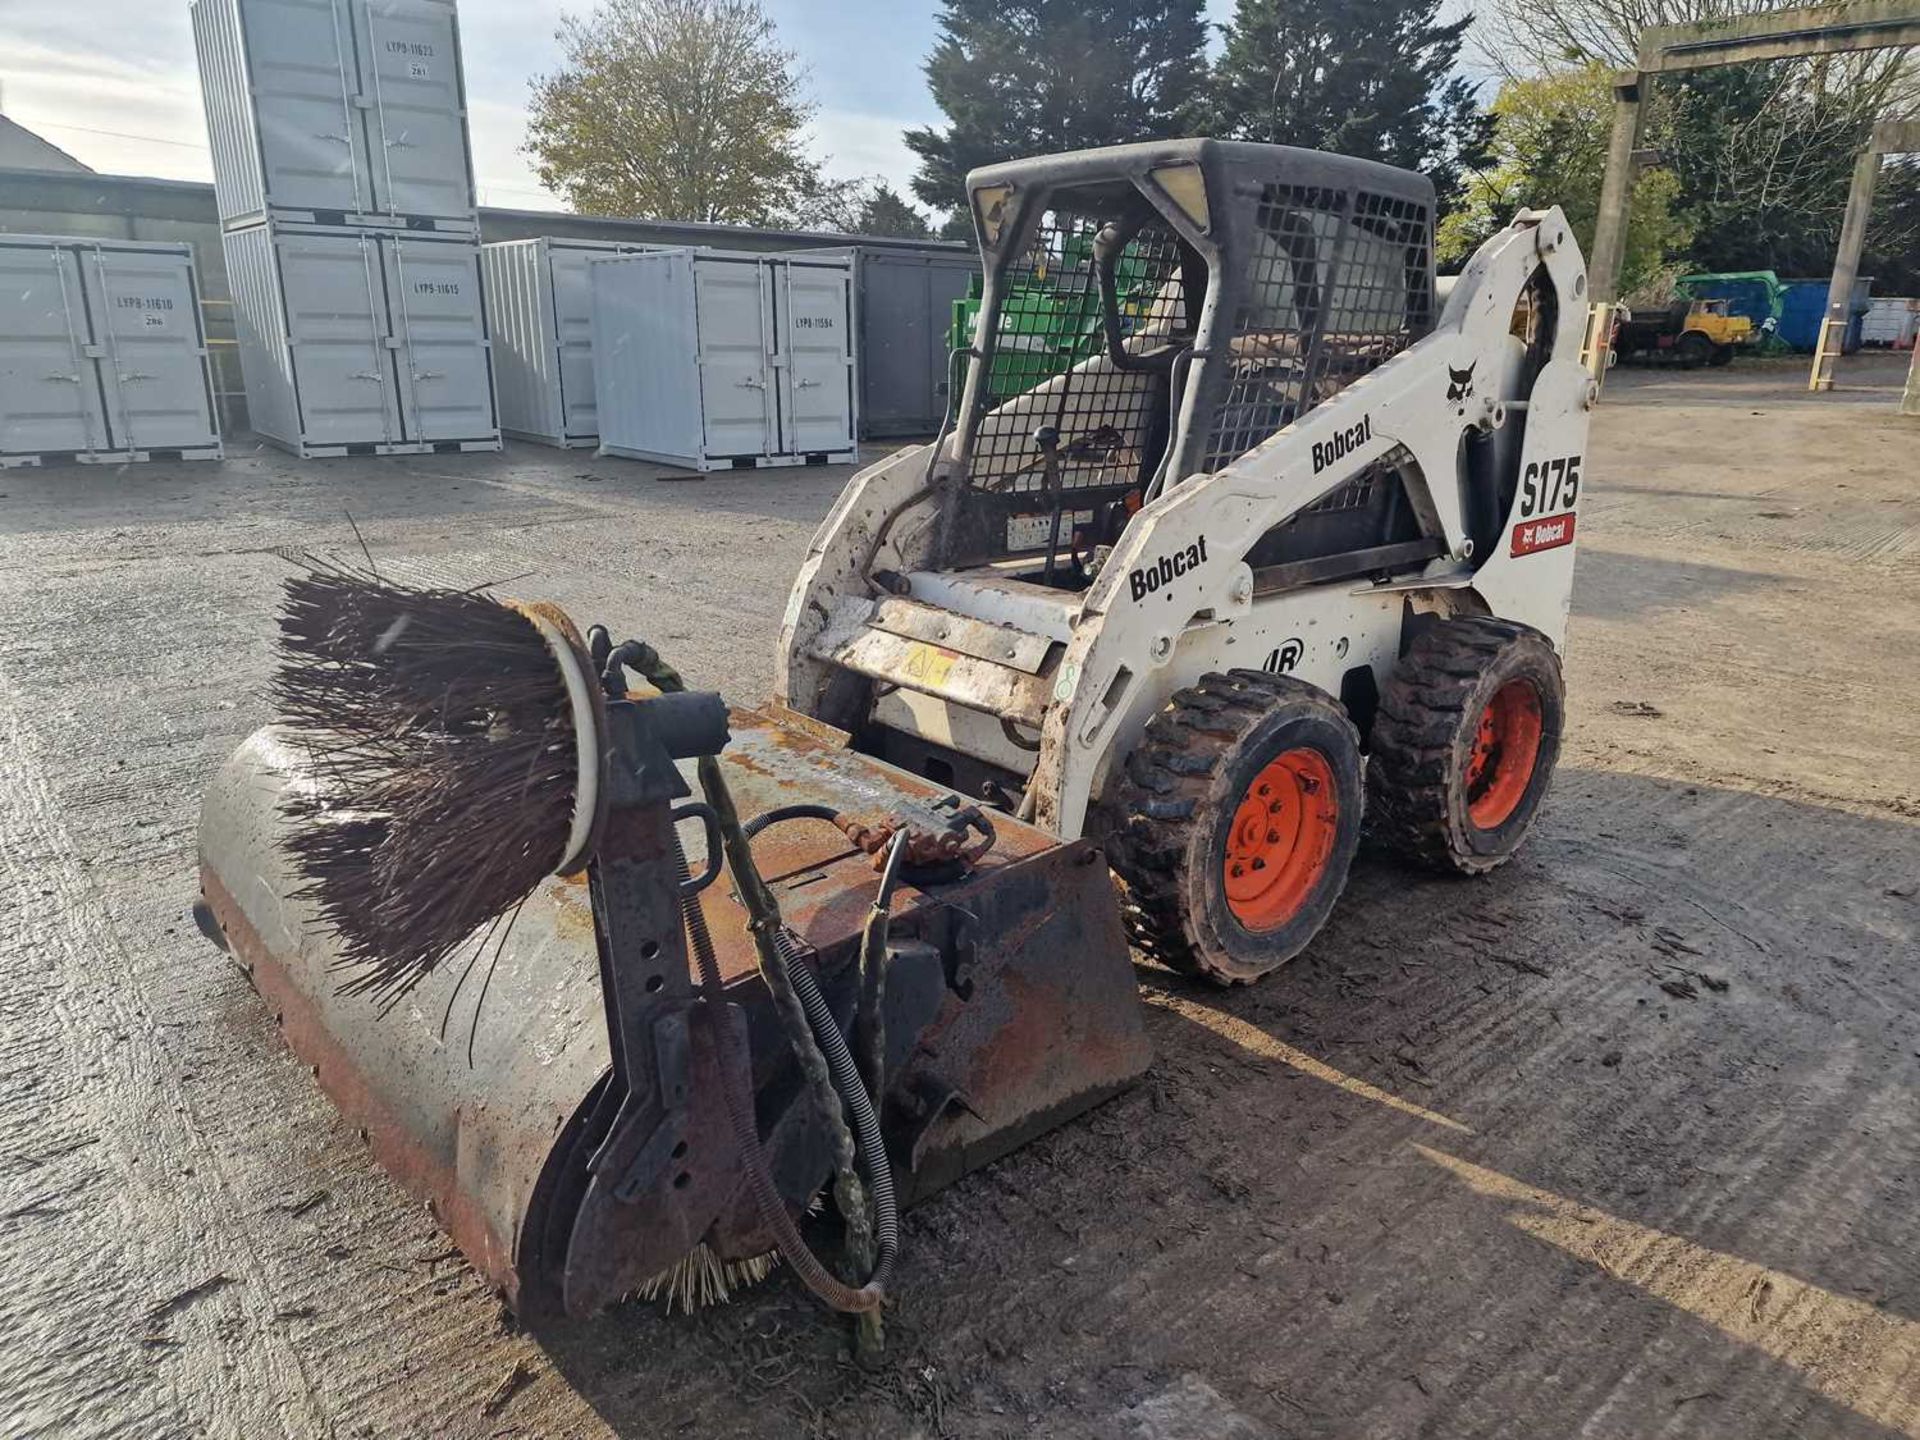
pixel 904 303
pixel 362 342
pixel 103 353
pixel 1803 311
pixel 712 358
pixel 540 311
pixel 1891 322
pixel 340 112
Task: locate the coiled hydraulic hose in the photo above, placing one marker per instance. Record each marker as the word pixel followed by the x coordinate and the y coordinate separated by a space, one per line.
pixel 735 1099
pixel 768 1202
pixel 780 814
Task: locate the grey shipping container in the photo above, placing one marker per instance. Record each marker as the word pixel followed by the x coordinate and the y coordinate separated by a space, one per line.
pixel 712 358
pixel 540 311
pixel 905 305
pixel 362 341
pixel 103 356
pixel 343 112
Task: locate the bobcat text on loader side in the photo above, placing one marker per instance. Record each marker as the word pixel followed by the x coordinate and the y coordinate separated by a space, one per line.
pixel 1343 443
pixel 1155 573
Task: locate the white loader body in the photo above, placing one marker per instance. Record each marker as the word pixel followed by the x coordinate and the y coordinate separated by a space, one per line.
pixel 1054 686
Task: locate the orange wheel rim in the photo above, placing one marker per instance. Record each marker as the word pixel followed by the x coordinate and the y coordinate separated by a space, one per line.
pixel 1281 836
pixel 1506 747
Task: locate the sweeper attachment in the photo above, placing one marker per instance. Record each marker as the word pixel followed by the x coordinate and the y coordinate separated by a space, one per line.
pixel 1239 533
pixel 455 871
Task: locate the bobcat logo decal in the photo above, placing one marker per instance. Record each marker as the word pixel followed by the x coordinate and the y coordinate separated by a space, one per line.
pixel 1461 389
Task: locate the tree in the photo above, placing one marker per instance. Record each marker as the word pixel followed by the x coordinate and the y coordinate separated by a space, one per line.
pixel 1549 147
pixel 1357 77
pixel 1032 77
pixel 676 109
pixel 1758 156
pixel 886 212
pixel 861 206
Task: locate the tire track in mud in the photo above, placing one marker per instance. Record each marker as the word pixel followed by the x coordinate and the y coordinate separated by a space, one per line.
pixel 115 1207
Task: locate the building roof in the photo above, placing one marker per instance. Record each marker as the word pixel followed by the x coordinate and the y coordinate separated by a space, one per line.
pixel 21 149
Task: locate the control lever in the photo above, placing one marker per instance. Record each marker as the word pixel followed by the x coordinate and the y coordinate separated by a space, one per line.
pixel 1047 438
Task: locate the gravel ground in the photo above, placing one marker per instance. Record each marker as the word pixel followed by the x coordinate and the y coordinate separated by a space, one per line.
pixel 1621 1141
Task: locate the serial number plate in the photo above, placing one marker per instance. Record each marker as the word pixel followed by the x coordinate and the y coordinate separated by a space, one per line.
pixel 1029 532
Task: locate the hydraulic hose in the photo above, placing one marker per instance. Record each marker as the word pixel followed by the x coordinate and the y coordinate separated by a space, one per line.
pixel 767 1200
pixel 866 1122
pixel 782 813
pixel 736 1099
pixel 870 1025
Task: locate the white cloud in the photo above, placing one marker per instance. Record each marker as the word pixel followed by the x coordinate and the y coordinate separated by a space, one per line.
pixel 855 144
pixel 113 114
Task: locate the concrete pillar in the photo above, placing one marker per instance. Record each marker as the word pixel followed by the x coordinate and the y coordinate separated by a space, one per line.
pixel 1846 268
pixel 1616 191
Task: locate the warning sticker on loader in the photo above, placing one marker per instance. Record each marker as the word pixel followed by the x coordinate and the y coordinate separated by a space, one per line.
pixel 929 664
pixel 1530 536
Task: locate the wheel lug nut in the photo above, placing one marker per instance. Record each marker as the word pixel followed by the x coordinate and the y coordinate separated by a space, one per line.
pixel 1273 837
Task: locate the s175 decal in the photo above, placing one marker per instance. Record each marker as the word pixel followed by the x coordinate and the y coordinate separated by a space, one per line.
pixel 1549 485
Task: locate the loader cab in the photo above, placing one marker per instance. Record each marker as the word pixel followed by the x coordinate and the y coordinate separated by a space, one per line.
pixel 1153 312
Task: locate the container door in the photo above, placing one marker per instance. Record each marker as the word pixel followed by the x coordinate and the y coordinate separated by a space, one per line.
pixel 733 313
pixel 446 370
pixel 416 123
pixel 300 63
pixel 50 400
pixel 154 370
pixel 345 377
pixel 571 292
pixel 897 315
pixel 818 398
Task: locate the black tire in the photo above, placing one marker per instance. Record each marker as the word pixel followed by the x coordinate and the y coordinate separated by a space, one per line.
pixel 1187 786
pixel 1422 786
pixel 1693 350
pixel 1722 355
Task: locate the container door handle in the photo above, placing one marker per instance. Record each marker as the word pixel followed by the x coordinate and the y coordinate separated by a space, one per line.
pixel 752 384
pixel 429 374
pixel 805 384
pixel 373 375
pixel 64 379
pixel 327 135
pixel 130 375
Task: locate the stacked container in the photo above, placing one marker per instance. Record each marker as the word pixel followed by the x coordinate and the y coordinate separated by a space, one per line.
pixel 540 310
pixel 344 182
pixel 103 357
pixel 714 359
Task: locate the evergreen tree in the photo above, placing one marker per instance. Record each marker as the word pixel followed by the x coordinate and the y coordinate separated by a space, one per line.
pixel 1032 77
pixel 886 212
pixel 1373 78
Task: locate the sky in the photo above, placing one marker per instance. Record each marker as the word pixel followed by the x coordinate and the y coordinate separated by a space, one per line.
pixel 112 82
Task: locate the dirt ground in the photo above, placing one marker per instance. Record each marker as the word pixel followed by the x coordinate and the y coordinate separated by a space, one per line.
pixel 1620 1142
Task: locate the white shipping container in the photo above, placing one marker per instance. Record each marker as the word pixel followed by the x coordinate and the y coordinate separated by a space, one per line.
pixel 363 342
pixel 904 301
pixel 1891 321
pixel 710 359
pixel 103 352
pixel 344 112
pixel 540 310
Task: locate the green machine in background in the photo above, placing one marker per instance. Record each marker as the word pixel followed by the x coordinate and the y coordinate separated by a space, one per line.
pixel 1052 324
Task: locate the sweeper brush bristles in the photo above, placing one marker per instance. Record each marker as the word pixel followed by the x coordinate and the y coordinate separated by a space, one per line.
pixel 441 731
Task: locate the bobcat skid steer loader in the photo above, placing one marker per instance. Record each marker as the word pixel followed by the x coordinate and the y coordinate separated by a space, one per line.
pixel 1277 538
